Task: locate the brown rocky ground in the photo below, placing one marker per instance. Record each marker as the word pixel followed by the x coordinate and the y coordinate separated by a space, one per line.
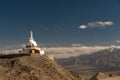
pixel 34 67
pixel 103 76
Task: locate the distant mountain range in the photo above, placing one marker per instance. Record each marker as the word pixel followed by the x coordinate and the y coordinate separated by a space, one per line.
pixel 103 58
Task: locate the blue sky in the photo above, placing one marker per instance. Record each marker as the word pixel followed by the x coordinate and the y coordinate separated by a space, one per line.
pixel 57 22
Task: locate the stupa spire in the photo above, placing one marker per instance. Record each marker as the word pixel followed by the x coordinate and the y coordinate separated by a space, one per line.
pixel 31 35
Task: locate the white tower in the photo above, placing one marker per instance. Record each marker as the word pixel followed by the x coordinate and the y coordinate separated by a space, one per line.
pixel 31 46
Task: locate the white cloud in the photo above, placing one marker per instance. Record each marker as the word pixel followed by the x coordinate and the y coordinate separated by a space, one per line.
pixel 97 24
pixel 100 24
pixel 76 45
pixel 117 41
pixel 11 47
pixel 83 26
pixel 65 52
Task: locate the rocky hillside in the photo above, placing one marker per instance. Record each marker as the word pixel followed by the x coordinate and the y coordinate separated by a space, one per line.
pixel 34 67
pixel 104 58
pixel 103 76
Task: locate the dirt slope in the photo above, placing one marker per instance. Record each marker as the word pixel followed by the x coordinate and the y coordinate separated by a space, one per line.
pixel 34 67
pixel 103 76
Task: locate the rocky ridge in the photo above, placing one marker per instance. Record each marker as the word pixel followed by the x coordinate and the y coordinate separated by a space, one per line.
pixel 33 67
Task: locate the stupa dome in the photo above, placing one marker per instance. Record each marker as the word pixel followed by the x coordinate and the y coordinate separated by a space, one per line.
pixel 33 42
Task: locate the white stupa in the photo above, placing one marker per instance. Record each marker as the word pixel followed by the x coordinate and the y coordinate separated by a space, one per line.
pixel 31 47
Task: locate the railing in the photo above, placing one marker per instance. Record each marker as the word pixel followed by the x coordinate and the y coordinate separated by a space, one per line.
pixel 9 51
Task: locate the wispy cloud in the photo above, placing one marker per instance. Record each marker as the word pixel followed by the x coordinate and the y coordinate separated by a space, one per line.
pixel 64 52
pixel 76 45
pixel 96 24
pixel 117 41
